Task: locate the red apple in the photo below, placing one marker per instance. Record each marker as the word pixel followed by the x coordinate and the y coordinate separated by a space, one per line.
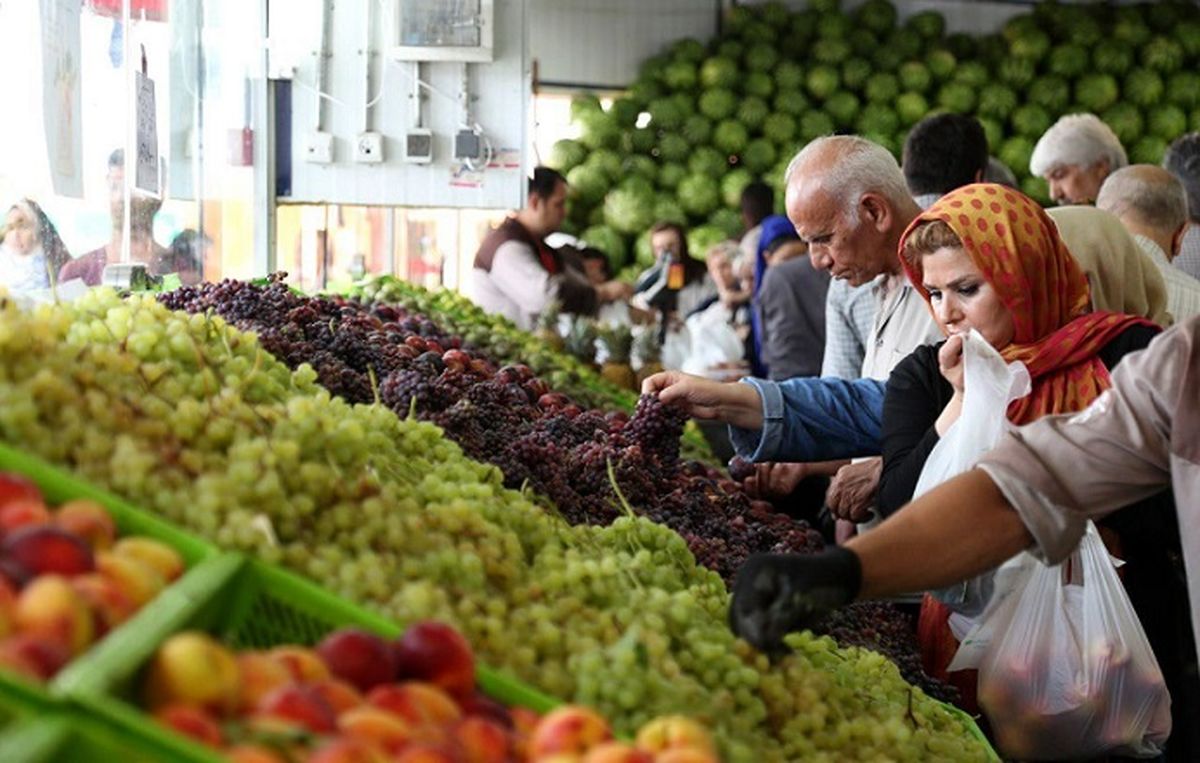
pixel 15 487
pixel 192 722
pixel 360 658
pixel 301 704
pixel 437 653
pixel 87 520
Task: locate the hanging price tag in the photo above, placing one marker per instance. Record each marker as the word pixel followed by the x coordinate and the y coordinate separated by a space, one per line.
pixel 146 179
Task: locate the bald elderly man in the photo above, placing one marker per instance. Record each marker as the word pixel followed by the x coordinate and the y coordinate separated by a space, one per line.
pixel 1152 205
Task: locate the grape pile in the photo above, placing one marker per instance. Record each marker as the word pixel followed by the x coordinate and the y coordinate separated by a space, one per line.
pixel 192 419
pixel 510 418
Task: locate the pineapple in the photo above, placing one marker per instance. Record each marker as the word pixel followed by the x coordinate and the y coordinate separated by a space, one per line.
pixel 648 353
pixel 547 327
pixel 618 341
pixel 581 341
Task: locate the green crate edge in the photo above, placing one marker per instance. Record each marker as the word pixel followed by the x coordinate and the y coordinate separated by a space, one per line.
pixel 93 686
pixel 60 485
pixel 973 730
pixel 87 740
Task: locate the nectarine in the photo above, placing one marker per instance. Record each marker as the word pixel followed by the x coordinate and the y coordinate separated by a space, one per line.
pixel 156 554
pixel 376 725
pixel 192 667
pixel 45 549
pixel 87 520
pixel 301 704
pixel 570 729
pixel 362 658
pixel 436 653
pixel 192 722
pixel 418 703
pixel 50 608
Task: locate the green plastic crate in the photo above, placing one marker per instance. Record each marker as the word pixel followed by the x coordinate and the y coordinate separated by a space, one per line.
pixel 245 604
pixel 60 737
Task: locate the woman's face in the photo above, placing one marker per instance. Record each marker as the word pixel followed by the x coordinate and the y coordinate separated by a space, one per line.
pixel 962 298
pixel 22 235
pixel 666 241
pixel 720 269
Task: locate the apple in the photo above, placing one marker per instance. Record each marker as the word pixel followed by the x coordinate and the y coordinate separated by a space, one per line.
pixel 192 722
pixel 45 549
pixel 436 653
pixel 87 520
pixel 260 675
pixel 672 731
pixel 617 752
pixel 420 704
pixel 482 740
pixel 385 729
pixel 192 667
pixel 340 750
pixel 50 608
pixel 568 729
pixel 301 704
pixel 138 580
pixel 340 695
pixel 360 658
pixel 33 656
pixel 155 554
pixel 15 487
pixel 23 512
pixel 304 664
pixel 110 605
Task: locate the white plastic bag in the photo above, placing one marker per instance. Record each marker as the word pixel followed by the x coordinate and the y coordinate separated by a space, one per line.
pixel 1070 674
pixel 713 342
pixel 989 386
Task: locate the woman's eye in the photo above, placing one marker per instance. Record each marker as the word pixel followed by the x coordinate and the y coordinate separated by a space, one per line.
pixel 969 291
pixel 935 295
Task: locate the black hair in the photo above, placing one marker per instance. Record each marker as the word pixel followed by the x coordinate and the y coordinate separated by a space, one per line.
pixel 544 181
pixel 1182 160
pixel 783 238
pixel 944 152
pixel 758 201
pixel 592 253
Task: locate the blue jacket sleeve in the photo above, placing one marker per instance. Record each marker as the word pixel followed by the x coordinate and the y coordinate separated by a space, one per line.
pixel 814 419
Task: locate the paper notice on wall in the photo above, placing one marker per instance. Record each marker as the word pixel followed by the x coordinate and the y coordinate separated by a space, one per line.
pixel 147 137
pixel 462 176
pixel 506 159
pixel 61 97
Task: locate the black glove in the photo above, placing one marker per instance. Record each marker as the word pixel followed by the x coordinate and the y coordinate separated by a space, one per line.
pixel 776 594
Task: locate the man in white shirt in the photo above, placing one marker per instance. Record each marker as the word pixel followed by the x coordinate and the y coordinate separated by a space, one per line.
pixel 1152 205
pixel 1075 155
pixel 517 275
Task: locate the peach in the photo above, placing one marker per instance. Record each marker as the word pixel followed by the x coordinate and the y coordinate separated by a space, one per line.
pixel 156 554
pixel 13 574
pixel 570 729
pixel 617 752
pixel 686 755
pixel 16 487
pixel 418 703
pixel 253 753
pixel 8 607
pixel 436 653
pixel 49 607
pixel 304 664
pixel 374 724
pixel 192 722
pixel 87 520
pixel 480 704
pixel 672 731
pixel 192 667
pixel 340 695
pixel 138 580
pixel 482 740
pixel 524 721
pixel 363 659
pixel 301 704
pixel 33 656
pixel 260 675
pixel 425 753
pixel 110 605
pixel 23 512
pixel 44 549
pixel 347 751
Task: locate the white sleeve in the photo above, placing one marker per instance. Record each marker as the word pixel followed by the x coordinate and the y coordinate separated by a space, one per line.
pixel 518 273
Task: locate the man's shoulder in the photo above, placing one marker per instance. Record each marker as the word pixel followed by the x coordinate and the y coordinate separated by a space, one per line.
pixel 85 262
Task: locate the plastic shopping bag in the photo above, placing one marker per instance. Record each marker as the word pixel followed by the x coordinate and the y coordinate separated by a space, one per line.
pixel 1070 674
pixel 714 343
pixel 989 386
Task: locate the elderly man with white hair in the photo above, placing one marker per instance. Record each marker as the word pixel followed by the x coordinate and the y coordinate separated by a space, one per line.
pixel 1152 205
pixel 1075 156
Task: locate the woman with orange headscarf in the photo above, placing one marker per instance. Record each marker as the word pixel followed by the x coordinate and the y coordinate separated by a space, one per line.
pixel 988 258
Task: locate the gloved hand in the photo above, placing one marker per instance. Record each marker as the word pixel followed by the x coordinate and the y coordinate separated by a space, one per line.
pixel 776 594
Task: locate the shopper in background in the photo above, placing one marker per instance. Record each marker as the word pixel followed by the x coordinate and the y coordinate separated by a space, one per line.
pixel 1152 205
pixel 142 246
pixel 758 201
pixel 1182 160
pixel 516 275
pixel 669 242
pixel 943 152
pixel 1075 155
pixel 186 259
pixel 791 310
pixel 31 251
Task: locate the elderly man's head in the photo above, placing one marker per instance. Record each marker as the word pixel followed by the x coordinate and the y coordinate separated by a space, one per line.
pixel 1183 161
pixel 1075 156
pixel 1149 201
pixel 847 199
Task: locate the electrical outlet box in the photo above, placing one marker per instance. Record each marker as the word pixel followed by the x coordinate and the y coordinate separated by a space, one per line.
pixel 368 148
pixel 418 146
pixel 467 145
pixel 320 148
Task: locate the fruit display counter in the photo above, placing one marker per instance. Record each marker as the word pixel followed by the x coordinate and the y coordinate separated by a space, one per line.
pixel 195 421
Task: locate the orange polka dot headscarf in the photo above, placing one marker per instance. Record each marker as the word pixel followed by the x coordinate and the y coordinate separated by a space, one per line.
pixel 1017 248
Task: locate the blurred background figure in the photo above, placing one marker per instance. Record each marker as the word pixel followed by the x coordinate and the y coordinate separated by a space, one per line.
pixel 186 257
pixel 1075 156
pixel 758 201
pixel 31 251
pixel 941 153
pixel 1183 161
